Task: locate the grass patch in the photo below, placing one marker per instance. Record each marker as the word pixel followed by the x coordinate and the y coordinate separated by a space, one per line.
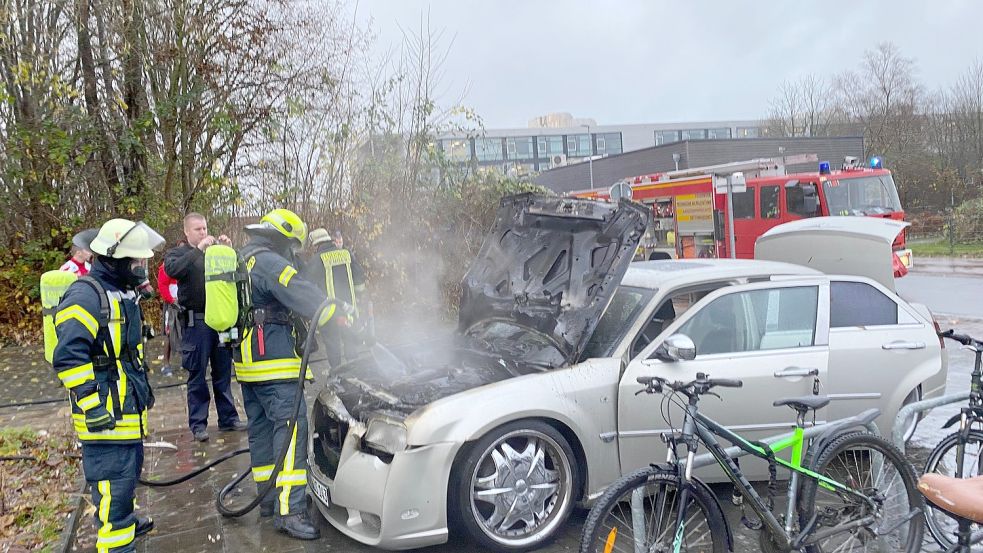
pixel 941 249
pixel 36 493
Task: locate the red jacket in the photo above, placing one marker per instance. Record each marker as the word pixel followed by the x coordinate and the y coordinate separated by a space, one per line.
pixel 164 285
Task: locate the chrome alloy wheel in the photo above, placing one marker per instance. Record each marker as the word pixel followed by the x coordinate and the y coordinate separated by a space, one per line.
pixel 521 488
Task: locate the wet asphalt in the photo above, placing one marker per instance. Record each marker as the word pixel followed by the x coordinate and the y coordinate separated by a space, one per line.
pixel 185 514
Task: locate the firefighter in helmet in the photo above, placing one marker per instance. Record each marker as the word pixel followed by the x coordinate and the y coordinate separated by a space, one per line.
pixel 99 357
pixel 268 363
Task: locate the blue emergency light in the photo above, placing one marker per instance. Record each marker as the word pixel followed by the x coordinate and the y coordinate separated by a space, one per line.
pixel 876 162
pixel 823 167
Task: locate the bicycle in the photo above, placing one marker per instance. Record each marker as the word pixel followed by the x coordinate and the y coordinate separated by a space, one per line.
pixel 844 484
pixel 949 457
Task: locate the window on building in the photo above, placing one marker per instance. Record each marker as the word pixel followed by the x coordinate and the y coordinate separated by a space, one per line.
pixel 747 132
pixel 769 202
pixel 718 133
pixel 744 204
pixel 666 137
pixel 578 145
pixel 549 145
pixel 488 149
pixel 859 304
pixel 608 143
pixel 694 134
pixel 457 149
pixel 519 148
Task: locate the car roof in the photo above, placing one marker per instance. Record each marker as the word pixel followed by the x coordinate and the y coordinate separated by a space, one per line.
pixel 682 272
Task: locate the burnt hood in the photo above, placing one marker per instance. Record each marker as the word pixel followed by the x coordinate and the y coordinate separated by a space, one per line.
pixel 551 264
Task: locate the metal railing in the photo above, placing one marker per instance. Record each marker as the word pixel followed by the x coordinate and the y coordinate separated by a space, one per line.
pixel 912 409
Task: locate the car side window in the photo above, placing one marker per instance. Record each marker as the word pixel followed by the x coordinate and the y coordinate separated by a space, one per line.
pixel 625 307
pixel 755 320
pixel 670 309
pixel 859 304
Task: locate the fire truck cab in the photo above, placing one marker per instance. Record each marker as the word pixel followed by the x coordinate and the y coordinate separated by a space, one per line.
pixel 690 213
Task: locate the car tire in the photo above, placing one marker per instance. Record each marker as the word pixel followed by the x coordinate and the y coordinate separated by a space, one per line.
pixel 513 489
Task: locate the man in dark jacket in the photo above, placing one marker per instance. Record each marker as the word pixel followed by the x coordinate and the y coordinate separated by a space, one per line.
pixel 99 358
pixel 268 364
pixel 199 342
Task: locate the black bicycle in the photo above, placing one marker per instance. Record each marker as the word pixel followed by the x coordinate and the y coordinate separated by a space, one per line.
pixel 849 489
pixel 960 454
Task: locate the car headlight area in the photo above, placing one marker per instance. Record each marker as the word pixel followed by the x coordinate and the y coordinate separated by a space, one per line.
pixel 375 489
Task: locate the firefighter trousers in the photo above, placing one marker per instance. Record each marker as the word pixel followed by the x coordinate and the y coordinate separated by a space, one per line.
pixel 112 472
pixel 269 408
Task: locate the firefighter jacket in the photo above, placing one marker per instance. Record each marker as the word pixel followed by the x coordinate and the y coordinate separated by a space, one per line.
pixel 100 359
pixel 334 271
pixel 269 349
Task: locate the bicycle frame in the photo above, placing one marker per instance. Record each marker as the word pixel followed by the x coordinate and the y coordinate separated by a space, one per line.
pixel 698 425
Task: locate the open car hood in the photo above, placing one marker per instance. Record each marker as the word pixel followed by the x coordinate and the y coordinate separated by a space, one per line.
pixel 860 246
pixel 551 264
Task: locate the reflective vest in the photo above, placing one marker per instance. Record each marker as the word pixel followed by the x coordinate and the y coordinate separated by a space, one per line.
pixel 335 258
pixel 100 361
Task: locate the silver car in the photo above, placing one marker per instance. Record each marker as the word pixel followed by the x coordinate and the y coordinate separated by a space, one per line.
pixel 530 408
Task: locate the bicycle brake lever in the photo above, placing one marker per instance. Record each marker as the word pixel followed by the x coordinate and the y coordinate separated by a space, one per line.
pixel 715 394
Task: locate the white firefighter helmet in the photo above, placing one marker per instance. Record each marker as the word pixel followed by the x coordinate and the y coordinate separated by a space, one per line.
pixel 119 238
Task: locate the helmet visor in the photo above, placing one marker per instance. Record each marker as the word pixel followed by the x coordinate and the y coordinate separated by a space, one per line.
pixel 138 242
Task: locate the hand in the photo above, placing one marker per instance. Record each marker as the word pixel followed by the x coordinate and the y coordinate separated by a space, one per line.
pixel 224 240
pixel 98 419
pixel 205 242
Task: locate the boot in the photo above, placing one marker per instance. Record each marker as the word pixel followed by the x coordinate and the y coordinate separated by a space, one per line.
pixel 144 525
pixel 297 526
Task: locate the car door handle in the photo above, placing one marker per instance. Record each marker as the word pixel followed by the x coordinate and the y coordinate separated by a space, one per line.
pixel 904 345
pixel 797 371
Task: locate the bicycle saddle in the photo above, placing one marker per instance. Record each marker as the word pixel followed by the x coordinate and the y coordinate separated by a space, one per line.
pixel 803 403
pixel 962 497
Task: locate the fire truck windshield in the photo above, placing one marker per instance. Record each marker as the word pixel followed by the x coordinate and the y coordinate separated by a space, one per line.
pixel 875 195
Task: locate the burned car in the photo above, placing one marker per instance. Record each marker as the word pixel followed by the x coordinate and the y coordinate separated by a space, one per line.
pixel 530 409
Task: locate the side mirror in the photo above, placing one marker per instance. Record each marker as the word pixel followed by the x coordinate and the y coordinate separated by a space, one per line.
pixel 678 347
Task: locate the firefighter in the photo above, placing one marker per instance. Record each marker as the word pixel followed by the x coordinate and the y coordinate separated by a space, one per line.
pixel 267 365
pixel 99 357
pixel 332 269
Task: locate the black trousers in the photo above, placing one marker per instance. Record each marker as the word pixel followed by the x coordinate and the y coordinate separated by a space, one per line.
pixel 112 471
pixel 199 346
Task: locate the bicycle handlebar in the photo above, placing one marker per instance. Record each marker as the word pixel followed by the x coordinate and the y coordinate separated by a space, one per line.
pixel 963 339
pixel 700 385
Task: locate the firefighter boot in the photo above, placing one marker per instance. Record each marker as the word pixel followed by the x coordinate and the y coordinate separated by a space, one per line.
pixel 144 525
pixel 297 526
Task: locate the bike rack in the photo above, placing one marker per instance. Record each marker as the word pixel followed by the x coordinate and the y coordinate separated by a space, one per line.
pixel 706 459
pixel 897 435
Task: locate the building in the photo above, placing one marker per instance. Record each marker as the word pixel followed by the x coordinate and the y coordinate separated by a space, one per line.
pixel 557 139
pixel 604 172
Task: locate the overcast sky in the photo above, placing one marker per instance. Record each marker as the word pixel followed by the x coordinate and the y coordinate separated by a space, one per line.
pixel 650 62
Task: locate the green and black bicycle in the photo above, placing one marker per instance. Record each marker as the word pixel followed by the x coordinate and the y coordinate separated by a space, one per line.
pixel 849 490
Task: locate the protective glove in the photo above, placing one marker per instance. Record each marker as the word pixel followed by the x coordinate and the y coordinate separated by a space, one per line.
pixel 342 314
pixel 98 419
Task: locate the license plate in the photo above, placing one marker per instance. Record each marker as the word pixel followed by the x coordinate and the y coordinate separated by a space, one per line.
pixel 320 491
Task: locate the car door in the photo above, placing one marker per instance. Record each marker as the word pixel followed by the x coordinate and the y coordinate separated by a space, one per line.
pixel 881 350
pixel 750 332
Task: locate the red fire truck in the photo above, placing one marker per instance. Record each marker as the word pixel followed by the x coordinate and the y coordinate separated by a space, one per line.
pixel 689 209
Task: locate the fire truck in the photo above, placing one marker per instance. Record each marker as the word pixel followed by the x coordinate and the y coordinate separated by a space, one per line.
pixel 690 214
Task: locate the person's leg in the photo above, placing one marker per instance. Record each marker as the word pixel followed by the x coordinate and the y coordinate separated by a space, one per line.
pixel 109 471
pixel 291 482
pixel 194 359
pixel 221 361
pixel 260 444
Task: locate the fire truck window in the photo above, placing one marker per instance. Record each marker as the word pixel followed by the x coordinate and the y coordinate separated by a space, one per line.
pixel 769 202
pixel 802 200
pixel 744 204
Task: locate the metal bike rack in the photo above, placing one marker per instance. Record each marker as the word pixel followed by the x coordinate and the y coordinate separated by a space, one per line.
pixel 706 459
pixel 897 435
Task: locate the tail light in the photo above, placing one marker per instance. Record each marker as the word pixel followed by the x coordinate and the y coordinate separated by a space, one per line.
pixel 938 332
pixel 899 269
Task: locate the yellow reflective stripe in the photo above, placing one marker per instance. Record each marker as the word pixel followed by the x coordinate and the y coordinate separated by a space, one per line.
pixel 253 374
pixel 263 473
pixel 246 348
pixel 327 314
pixel 127 428
pixel 104 501
pixel 77 375
pixel 116 335
pixel 287 274
pixel 90 401
pixel 112 539
pixel 79 314
pixel 293 478
pixel 288 467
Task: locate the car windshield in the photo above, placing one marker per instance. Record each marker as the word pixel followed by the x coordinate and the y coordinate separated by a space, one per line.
pixel 624 308
pixel 862 196
pixel 517 343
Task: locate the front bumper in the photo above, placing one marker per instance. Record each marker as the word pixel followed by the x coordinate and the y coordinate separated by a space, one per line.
pixel 397 503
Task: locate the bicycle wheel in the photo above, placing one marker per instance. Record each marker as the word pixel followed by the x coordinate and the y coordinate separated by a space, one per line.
pixel 638 513
pixel 870 464
pixel 943 461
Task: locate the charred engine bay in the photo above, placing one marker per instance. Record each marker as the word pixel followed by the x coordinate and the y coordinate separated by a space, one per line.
pixel 402 379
